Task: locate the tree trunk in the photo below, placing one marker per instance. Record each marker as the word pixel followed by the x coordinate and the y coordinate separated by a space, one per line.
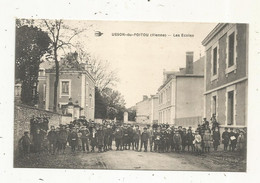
pixel 56 81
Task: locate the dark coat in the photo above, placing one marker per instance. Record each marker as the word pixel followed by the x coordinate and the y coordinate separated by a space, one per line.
pixel 52 137
pixel 73 139
pixel 137 134
pixel 118 134
pixel 100 137
pixel 189 138
pixel 216 138
pixel 63 136
pixel 177 139
pixel 225 137
pixel 144 136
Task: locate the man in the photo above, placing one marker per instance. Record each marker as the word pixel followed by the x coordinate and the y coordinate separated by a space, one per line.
pixel 189 138
pixel 177 141
pixel 37 141
pixel 25 143
pixel 85 138
pixel 118 134
pixel 150 134
pixel 125 137
pixel 144 139
pixel 52 137
pixel 130 135
pixel 225 138
pixel 214 122
pixel 63 137
pixel 110 136
pixel 136 138
pixel 184 140
pixel 100 138
pixel 73 139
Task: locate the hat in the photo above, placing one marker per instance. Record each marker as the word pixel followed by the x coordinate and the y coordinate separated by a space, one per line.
pixel 226 128
pixel 145 128
pixel 231 128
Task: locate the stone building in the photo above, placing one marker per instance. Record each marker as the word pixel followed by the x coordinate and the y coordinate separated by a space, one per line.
pixel 147 110
pixel 181 94
pixel 226 74
pixel 76 85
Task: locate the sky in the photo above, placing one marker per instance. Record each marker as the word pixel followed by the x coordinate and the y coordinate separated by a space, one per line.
pixel 140 60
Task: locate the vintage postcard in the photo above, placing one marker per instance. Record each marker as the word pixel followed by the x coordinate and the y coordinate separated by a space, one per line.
pixel 128 95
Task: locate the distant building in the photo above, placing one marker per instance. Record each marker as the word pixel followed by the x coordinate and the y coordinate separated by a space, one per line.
pixel 181 95
pixel 76 87
pixel 147 110
pixel 226 74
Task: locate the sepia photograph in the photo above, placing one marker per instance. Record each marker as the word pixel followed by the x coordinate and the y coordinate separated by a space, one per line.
pixel 128 95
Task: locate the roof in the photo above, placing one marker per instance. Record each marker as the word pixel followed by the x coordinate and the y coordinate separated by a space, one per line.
pixel 198 71
pixel 211 35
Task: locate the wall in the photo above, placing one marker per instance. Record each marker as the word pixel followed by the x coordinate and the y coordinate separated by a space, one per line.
pixel 189 97
pixel 22 116
pixel 241 98
pixel 241 51
pixel 143 111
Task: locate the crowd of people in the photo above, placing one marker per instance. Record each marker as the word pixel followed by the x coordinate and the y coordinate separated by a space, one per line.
pixel 95 137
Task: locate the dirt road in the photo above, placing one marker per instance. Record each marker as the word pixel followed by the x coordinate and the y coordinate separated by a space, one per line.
pixel 132 160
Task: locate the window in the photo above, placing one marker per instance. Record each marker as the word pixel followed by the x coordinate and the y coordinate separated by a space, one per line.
pixel 44 92
pixel 214 105
pixel 65 87
pixel 230 108
pixel 215 61
pixel 231 49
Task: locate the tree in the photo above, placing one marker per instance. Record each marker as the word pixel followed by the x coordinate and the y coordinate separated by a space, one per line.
pixel 104 76
pixel 31 44
pixel 61 36
pixel 100 105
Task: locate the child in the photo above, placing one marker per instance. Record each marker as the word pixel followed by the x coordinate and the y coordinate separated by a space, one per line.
pixel 189 138
pixel 241 140
pixel 197 142
pixel 225 138
pixel 73 139
pixel 216 139
pixel 207 140
pixel 177 141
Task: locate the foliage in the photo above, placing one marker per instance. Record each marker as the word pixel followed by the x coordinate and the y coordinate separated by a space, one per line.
pixel 109 104
pixel 131 114
pixel 61 36
pixel 31 44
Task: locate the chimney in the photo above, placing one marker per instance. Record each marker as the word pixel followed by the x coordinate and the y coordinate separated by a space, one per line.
pixel 189 62
pixel 145 97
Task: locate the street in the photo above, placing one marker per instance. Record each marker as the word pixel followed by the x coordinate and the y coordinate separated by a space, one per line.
pixel 132 160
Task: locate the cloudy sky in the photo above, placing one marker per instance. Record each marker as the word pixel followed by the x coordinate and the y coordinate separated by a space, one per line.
pixel 140 60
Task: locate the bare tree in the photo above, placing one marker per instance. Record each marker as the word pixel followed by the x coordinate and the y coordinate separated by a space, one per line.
pixel 104 75
pixel 61 38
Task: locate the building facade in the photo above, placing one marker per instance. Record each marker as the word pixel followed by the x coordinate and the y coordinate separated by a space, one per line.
pixel 181 95
pixel 226 74
pixel 76 87
pixel 147 110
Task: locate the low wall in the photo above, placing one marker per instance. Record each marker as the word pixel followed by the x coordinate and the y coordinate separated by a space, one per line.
pixel 22 116
pixel 190 121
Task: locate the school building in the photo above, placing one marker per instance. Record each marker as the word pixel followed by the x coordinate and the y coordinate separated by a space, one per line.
pixel 76 90
pixel 226 74
pixel 181 94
